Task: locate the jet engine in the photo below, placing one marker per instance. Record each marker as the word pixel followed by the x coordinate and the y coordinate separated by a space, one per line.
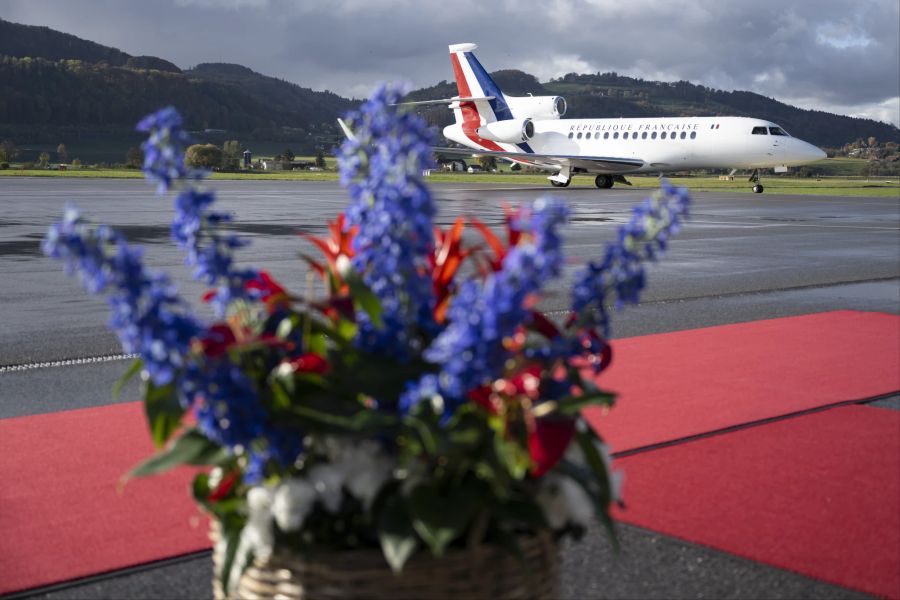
pixel 514 131
pixel 537 107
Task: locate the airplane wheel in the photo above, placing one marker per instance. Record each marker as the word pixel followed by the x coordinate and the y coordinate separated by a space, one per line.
pixel 558 184
pixel 758 189
pixel 604 182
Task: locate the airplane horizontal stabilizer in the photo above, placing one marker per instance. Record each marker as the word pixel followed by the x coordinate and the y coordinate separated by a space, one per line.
pixel 444 101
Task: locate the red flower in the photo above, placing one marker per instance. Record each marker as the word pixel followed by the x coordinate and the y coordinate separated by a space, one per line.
pixel 225 486
pixel 310 363
pixel 548 441
pixel 269 290
pixel 217 340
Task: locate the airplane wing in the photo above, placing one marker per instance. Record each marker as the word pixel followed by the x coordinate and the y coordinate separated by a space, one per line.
pixel 551 162
pixel 594 164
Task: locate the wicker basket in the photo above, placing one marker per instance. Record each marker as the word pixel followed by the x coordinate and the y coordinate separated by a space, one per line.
pixel 485 572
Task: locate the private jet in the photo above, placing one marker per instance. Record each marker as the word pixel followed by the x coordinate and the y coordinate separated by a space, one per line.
pixel 531 130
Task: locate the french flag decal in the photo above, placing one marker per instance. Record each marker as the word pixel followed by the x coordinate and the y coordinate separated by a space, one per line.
pixel 715 126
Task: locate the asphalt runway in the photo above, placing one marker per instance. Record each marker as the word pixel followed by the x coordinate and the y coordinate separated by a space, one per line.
pixel 741 257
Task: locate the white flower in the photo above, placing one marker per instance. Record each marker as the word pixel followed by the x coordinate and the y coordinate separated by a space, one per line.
pixel 292 501
pixel 328 481
pixel 365 469
pixel 564 501
pixel 258 533
pixel 257 536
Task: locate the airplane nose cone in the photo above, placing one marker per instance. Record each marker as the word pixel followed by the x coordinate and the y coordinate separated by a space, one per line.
pixel 816 153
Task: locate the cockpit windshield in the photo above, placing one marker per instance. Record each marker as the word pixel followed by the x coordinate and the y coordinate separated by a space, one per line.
pixel 759 131
pixel 777 131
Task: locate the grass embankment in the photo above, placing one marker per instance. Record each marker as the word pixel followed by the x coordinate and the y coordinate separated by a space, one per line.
pixel 838 184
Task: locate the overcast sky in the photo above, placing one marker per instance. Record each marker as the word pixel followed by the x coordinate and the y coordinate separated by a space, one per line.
pixel 840 56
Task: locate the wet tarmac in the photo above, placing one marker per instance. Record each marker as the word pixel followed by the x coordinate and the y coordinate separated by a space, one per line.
pixel 742 257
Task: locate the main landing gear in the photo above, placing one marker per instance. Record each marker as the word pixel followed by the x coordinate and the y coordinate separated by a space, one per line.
pixel 754 179
pixel 565 183
pixel 604 182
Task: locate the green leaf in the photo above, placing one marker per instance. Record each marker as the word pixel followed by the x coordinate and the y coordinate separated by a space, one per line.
pixel 232 537
pixel 441 518
pixel 363 298
pixel 395 533
pixel 317 343
pixel 135 368
pixel 573 405
pixel 586 436
pixel 163 411
pixel 362 420
pixel 512 457
pixel 192 448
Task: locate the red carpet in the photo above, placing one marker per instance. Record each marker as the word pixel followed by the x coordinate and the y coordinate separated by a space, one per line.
pixel 61 516
pixel 818 494
pixel 676 385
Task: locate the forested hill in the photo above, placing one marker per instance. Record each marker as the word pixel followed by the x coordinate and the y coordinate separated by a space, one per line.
pixel 43 42
pixel 55 86
pixel 613 95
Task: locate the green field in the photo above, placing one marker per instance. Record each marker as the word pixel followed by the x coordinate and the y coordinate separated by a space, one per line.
pixel 838 186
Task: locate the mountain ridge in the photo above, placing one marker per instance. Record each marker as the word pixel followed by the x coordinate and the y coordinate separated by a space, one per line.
pixel 54 84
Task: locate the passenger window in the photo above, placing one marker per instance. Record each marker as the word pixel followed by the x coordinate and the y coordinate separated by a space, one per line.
pixel 625 136
pixel 606 136
pixel 683 135
pixel 587 136
pixel 579 135
pixel 662 136
pixel 653 136
pixel 571 135
pixel 616 135
pixel 759 131
pixel 777 131
pixel 644 136
pixel 693 135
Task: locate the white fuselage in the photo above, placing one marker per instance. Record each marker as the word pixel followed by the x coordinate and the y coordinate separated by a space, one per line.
pixel 664 144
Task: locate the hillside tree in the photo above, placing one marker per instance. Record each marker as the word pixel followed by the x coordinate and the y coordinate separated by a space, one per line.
pixel 134 158
pixel 8 150
pixel 231 151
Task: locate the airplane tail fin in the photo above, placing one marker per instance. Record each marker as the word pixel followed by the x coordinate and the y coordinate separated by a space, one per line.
pixel 472 81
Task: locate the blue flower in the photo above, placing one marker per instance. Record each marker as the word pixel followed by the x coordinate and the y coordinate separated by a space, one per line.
pixel 195 228
pixel 621 271
pixel 148 316
pixel 381 167
pixel 164 148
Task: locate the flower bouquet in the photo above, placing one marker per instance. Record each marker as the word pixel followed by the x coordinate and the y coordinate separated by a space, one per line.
pixel 420 410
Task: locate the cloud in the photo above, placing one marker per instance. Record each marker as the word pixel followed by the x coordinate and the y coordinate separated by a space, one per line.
pixel 841 54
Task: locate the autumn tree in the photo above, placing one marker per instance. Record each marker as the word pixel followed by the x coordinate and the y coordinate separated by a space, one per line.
pixel 61 154
pixel 43 159
pixel 204 156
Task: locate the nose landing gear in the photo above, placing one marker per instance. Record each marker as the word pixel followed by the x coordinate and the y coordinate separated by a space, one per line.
pixel 754 178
